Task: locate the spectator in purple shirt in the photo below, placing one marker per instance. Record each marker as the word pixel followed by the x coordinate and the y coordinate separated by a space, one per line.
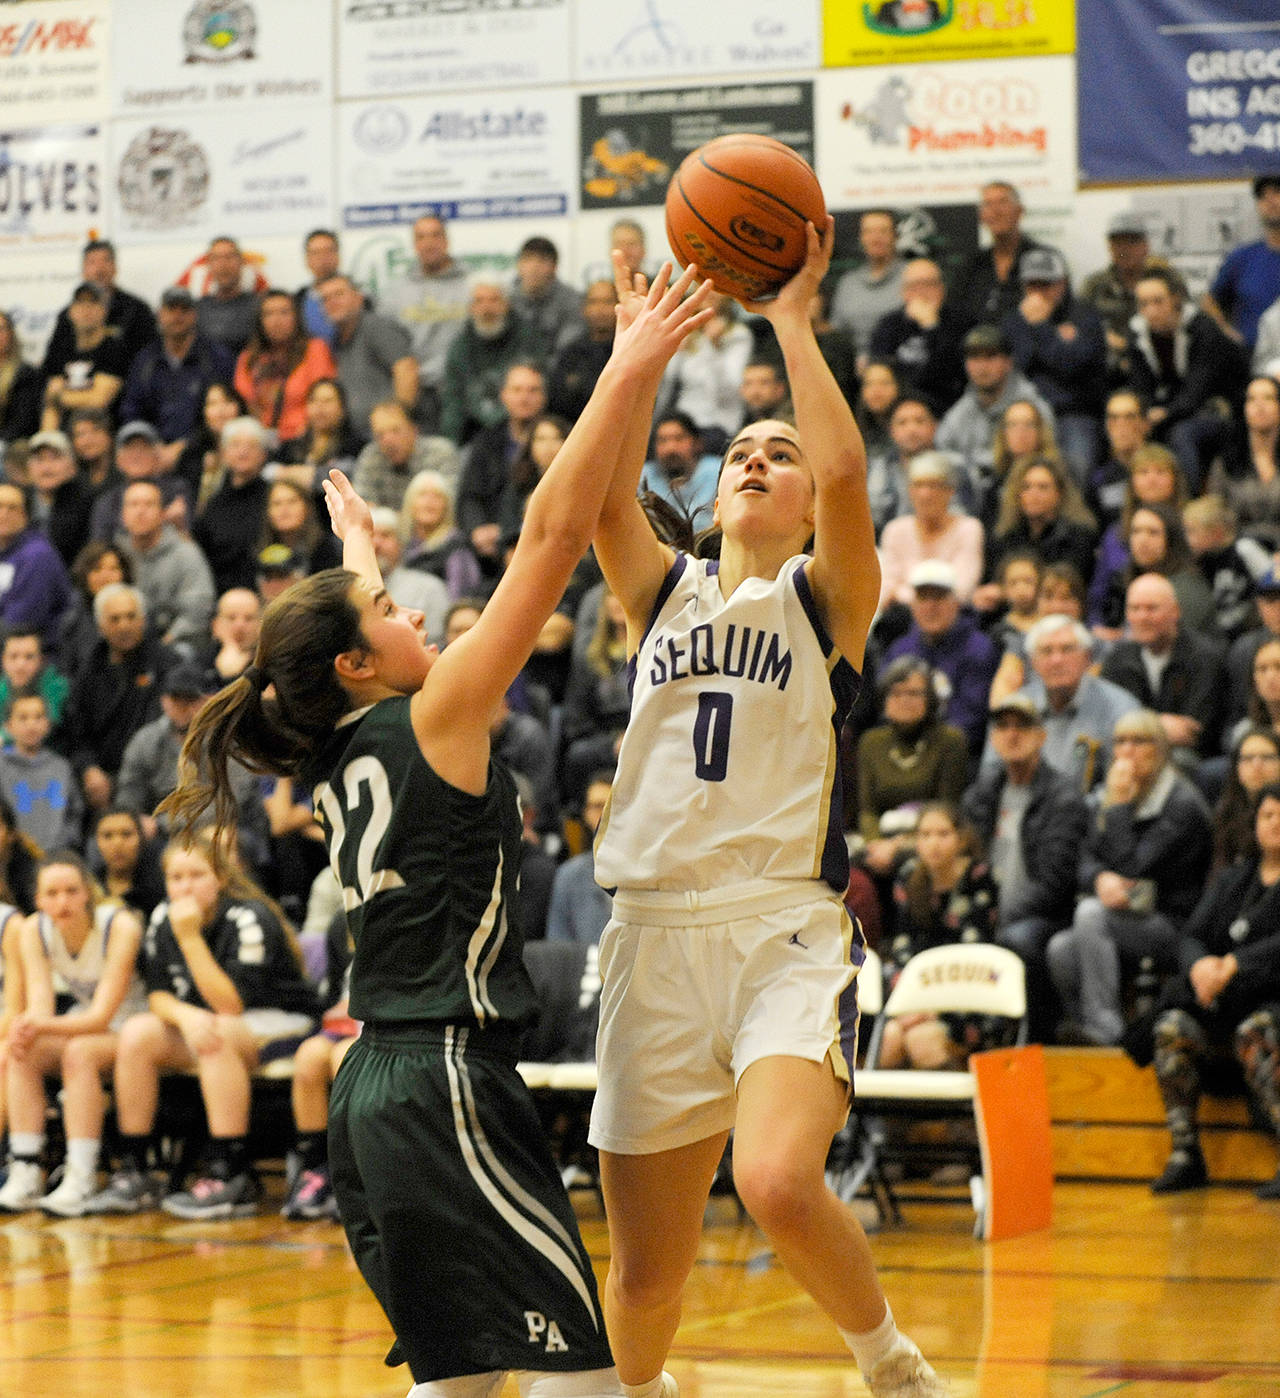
pixel 34 587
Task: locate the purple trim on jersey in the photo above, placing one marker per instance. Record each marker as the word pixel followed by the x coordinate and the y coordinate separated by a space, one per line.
pixel 848 1006
pixel 845 683
pixel 674 574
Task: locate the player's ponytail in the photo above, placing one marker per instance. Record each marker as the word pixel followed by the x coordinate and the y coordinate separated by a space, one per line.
pixel 275 716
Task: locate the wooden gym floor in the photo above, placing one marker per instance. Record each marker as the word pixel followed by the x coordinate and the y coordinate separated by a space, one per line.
pixel 1126 1295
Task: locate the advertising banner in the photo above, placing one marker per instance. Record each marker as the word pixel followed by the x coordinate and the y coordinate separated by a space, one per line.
pixel 51 186
pixel 632 141
pixel 931 31
pixel 254 173
pixel 1178 89
pixel 937 132
pixel 482 155
pixel 189 54
pixel 670 39
pixel 388 47
pixel 53 61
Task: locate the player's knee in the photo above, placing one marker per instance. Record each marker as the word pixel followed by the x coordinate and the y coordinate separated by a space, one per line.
pixel 775 1192
pixel 142 1036
pixel 643 1283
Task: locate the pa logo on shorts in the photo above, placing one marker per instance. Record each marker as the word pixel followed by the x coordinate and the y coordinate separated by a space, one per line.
pixel 544 1332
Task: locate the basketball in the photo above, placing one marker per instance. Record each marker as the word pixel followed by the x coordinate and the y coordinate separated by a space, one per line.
pixel 738 206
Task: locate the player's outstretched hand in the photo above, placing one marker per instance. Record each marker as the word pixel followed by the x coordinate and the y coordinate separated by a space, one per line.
pixel 347 510
pixel 658 323
pixel 795 297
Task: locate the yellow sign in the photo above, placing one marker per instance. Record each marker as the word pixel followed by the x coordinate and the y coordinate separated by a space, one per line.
pixel 859 32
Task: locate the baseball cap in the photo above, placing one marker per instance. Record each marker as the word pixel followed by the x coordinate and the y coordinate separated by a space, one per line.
pixel 931 466
pixel 185 682
pixel 1127 225
pixel 1017 703
pixel 135 429
pixel 1268 585
pixel 986 339
pixel 279 561
pixel 1042 265
pixel 933 572
pixel 54 440
pixel 178 296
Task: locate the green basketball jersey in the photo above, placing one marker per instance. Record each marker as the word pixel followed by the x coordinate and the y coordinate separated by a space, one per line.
pixel 429 877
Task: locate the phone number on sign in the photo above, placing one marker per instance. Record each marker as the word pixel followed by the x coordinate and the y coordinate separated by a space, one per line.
pixel 1231 137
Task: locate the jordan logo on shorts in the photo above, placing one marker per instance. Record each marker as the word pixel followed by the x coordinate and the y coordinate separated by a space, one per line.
pixel 794 941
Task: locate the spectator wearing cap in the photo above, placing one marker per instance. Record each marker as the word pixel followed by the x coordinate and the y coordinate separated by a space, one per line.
pixel 230 523
pixel 1266 600
pixel 128 315
pixel 116 691
pixel 1031 820
pixel 1248 282
pixel 168 569
pixel 276 568
pixel 139 458
pixel 35 590
pixel 1170 669
pixel 1110 290
pixel 933 530
pixel 1059 344
pixel 490 342
pixel 549 308
pixel 89 371
pixel 373 352
pixel 922 338
pixel 170 375
pixel 1186 369
pixel 408 587
pixel 59 499
pixel 1079 710
pixel 969 426
pixel 952 644
pixel 990 283
pixel 149 765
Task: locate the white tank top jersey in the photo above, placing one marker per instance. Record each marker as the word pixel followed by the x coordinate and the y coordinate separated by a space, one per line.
pixel 78 975
pixel 730 767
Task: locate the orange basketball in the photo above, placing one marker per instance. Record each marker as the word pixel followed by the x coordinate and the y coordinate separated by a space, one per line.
pixel 738 208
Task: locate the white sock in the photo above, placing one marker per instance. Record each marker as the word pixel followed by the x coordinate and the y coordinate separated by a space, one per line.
pixel 652 1389
pixel 871 1346
pixel 26 1145
pixel 584 1383
pixel 82 1156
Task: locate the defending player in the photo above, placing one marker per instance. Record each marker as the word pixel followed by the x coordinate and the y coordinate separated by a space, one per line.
pixel 728 968
pixel 450 1198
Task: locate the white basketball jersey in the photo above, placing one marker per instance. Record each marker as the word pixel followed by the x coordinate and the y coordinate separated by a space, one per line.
pixel 78 975
pixel 730 767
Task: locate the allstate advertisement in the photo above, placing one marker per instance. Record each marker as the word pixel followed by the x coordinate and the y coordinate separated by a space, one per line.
pixel 935 132
pixel 187 54
pixel 1178 89
pixel 476 155
pixel 389 47
pixel 930 31
pixel 668 39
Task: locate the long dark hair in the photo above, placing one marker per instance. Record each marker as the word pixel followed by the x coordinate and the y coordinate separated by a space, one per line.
pixel 274 718
pixel 292 351
pixel 1177 552
pixel 524 470
pixel 918 885
pixel 1233 816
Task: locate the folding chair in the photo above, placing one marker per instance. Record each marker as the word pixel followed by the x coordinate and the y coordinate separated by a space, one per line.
pixel 964 978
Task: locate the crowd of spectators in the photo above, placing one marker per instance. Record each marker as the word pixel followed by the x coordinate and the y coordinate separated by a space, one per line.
pixel 1076 486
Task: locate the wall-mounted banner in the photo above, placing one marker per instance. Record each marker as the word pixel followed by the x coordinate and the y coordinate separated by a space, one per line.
pixel 388 47
pixel 633 140
pixel 34 286
pixel 53 61
pixel 51 185
pixel 251 173
pixel 935 132
pixel 482 155
pixel 670 39
pixel 929 31
pixel 1168 91
pixel 189 54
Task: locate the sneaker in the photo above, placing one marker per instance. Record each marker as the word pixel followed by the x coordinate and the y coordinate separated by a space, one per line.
pixel 23 1188
pixel 72 1195
pixel 670 1388
pixel 312 1196
pixel 126 1192
pixel 213 1197
pixel 905 1373
pixel 1186 1170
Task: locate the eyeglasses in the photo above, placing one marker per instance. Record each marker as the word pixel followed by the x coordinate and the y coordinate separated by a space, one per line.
pixel 1258 757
